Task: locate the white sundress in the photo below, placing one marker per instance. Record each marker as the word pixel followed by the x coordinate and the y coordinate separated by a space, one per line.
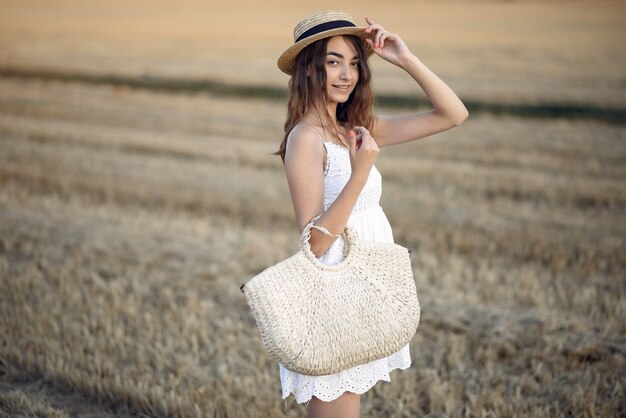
pixel 371 223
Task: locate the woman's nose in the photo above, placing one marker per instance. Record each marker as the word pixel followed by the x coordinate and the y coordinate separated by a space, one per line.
pixel 346 74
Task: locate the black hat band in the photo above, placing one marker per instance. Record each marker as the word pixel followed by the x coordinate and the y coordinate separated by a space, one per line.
pixel 322 27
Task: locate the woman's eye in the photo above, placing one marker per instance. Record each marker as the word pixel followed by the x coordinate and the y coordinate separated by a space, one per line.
pixel 356 63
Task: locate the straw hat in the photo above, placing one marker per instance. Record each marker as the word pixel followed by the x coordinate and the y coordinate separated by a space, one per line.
pixel 319 26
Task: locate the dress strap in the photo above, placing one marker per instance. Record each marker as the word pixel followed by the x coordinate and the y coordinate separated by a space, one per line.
pixel 313 129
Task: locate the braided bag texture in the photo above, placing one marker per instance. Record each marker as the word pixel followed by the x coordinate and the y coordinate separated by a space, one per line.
pixel 319 319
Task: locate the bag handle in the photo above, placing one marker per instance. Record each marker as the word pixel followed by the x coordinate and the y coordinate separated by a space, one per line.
pixel 349 234
pixel 306 235
pixel 306 232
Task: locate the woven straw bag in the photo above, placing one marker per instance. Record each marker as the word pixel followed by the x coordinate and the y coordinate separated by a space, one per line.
pixel 319 319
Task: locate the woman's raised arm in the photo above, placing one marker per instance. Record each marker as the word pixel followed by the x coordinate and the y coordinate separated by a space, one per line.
pixel 448 110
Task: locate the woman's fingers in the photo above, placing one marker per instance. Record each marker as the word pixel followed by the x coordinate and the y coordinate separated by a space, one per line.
pixel 361 131
pixel 363 134
pixel 371 25
pixel 384 36
pixel 365 137
pixel 352 141
pixel 381 33
pixel 375 26
pixel 366 150
pixel 369 21
pixel 380 41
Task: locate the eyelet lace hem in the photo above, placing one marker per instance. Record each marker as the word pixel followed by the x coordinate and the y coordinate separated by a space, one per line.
pixel 358 379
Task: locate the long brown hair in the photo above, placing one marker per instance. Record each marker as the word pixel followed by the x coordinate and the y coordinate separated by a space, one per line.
pixel 303 90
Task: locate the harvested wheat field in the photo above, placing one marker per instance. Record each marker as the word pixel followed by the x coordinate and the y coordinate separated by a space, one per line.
pixel 132 209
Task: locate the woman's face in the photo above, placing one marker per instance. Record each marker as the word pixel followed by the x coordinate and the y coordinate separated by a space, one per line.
pixel 342 69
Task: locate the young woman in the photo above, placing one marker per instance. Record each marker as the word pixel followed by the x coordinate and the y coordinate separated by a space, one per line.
pixel 332 139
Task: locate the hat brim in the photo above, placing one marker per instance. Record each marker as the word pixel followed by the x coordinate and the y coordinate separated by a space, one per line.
pixel 287 59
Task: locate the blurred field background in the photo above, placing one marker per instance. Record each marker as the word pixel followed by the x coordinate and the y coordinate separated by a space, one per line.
pixel 137 192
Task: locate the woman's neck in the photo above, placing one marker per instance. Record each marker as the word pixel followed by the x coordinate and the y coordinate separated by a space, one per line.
pixel 315 111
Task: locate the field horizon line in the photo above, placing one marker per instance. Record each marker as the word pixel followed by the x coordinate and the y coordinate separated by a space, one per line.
pixel 181 85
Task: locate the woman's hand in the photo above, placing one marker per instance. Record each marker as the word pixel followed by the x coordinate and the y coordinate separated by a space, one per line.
pixel 387 45
pixel 363 152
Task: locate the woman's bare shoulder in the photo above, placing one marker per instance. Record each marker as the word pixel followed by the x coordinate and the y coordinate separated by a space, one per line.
pixel 304 140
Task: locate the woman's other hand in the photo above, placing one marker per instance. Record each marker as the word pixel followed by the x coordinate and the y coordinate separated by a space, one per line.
pixel 387 45
pixel 363 152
